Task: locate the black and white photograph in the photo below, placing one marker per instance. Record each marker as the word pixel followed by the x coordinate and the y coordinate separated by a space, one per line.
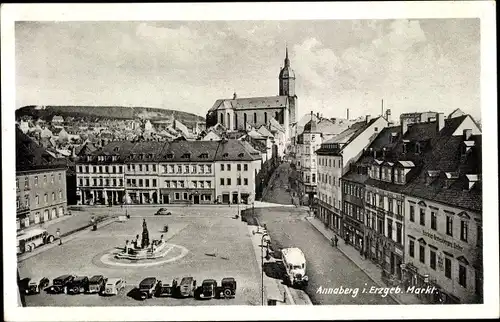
pixel 173 158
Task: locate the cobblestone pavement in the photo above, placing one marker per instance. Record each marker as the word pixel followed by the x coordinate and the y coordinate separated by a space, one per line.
pixel 219 246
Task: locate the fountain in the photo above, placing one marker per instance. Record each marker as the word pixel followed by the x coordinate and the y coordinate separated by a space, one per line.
pixel 145 249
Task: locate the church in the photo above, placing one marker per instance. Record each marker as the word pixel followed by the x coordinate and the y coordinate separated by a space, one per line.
pixel 241 114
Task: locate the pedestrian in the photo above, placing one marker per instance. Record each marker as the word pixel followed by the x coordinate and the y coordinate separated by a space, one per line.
pixel 58 233
pixel 336 240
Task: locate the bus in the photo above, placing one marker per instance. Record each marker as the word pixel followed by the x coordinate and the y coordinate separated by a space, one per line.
pixel 27 241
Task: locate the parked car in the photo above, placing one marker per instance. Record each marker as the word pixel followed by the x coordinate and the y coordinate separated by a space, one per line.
pixel 59 284
pixel 208 289
pixel 79 284
pixel 227 288
pixel 34 285
pixel 167 289
pixel 163 212
pixel 114 286
pixel 97 284
pixel 148 287
pixel 187 287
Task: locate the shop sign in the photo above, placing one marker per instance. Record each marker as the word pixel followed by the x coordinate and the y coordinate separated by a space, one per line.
pixel 398 251
pixel 442 240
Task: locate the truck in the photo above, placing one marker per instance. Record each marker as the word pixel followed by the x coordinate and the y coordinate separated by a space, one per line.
pixel 295 267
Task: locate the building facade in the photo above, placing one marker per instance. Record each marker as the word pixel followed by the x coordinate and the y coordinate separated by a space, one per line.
pixel 179 172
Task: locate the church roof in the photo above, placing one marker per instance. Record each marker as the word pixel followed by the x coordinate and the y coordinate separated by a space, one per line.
pixel 251 103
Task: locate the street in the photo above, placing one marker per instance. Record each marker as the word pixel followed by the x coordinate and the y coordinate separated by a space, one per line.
pixel 327 267
pixel 217 246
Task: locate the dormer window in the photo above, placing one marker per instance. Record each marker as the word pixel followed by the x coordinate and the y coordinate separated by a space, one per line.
pixel 170 156
pixel 472 179
pixel 116 149
pixel 225 155
pixel 394 136
pixel 141 156
pixel 431 176
pixel 405 146
pixel 150 156
pixel 204 156
pixel 240 155
pixel 450 178
pixel 186 156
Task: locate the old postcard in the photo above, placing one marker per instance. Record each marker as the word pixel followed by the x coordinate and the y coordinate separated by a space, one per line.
pixel 323 157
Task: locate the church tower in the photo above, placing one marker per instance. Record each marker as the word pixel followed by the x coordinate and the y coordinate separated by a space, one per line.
pixel 287 88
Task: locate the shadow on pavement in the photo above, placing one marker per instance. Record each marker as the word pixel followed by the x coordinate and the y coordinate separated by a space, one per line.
pixel 274 270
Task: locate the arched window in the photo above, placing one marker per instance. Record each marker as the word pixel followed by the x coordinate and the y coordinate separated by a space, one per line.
pixel 265 117
pixel 245 118
pixel 255 117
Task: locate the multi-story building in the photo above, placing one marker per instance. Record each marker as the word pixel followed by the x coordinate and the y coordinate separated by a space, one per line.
pixel 40 184
pixel 169 172
pixel 307 143
pixel 335 156
pixel 420 181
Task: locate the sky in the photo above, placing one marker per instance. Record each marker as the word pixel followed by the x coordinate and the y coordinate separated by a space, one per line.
pixel 413 65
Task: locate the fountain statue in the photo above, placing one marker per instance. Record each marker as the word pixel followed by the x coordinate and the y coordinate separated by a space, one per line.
pixel 145 235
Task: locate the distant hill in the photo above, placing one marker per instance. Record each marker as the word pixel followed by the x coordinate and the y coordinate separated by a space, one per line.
pixel 92 113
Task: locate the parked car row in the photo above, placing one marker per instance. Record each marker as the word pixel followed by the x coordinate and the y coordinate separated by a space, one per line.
pixel 187 287
pixel 147 288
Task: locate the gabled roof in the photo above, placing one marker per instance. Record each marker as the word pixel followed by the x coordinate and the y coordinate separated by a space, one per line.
pixel 251 103
pixel 235 150
pixel 264 131
pixel 31 156
pixel 189 151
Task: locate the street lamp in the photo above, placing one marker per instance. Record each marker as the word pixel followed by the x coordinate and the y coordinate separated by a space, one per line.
pixel 262 264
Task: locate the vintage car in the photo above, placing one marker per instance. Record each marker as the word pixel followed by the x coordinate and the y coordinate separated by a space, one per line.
pixel 59 284
pixel 208 289
pixel 163 212
pixel 187 287
pixel 97 284
pixel 227 288
pixel 113 286
pixel 79 284
pixel 148 287
pixel 166 289
pixel 37 284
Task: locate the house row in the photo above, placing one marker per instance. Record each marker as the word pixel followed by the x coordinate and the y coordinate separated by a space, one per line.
pixel 409 198
pixel 178 172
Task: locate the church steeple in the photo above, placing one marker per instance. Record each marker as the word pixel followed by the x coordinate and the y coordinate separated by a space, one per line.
pixel 287 61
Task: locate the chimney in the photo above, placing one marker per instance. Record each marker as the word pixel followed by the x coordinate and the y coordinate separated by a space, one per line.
pixel 467 134
pixel 347 114
pixel 235 96
pixel 368 118
pixel 440 122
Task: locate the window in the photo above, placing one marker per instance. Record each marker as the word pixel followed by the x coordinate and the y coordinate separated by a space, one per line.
pixel 313 178
pixel 245 181
pixel 449 225
pixel 120 182
pixel 380 226
pixel 238 181
pixel 177 196
pixel 53 196
pixel 255 117
pixel 186 169
pixel 221 181
pixel 447 267
pixel 51 178
pixel 44 179
pixel 80 182
pixel 167 183
pixel 381 201
pixel 193 169
pixel 195 184
pixel 228 181
pixel 146 181
pixel 141 182
pixel 36 181
pixel 114 182
pixel 412 213
pixel 399 209
pixel 60 194
pixel 462 275
pixel 37 200
pixel 389 228
pixel 26 183
pixel 433 259
pixel 245 167
pixel 129 182
pixel 185 195
pixel 391 205
pixel 154 167
pixel 464 227
pixel 411 248
pixel 422 217
pixel 433 220
pixel 181 184
pixel 209 168
pixel 209 184
pixel 107 182
pixel 179 169
pixel 17 183
pixel 222 167
pixel 399 233
pixel 154 182
pixel 45 198
pixel 238 167
pixel 422 253
pixel 228 167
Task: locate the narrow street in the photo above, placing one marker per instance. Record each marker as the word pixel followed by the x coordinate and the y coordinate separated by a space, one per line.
pixel 327 267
